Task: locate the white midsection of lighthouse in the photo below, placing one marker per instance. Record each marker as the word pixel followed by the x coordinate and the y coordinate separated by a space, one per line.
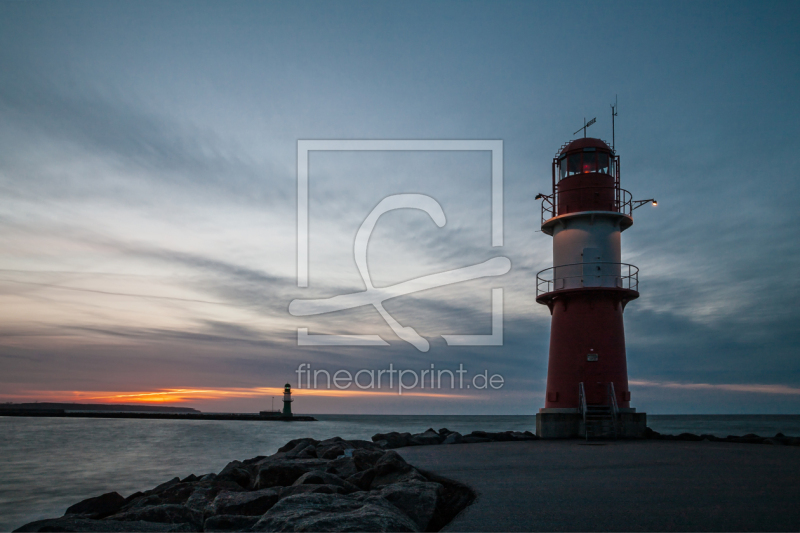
pixel 587 250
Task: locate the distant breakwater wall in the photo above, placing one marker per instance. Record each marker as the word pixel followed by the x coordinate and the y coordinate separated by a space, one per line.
pixel 161 416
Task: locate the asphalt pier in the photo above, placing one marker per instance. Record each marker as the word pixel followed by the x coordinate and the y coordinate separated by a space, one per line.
pixel 636 485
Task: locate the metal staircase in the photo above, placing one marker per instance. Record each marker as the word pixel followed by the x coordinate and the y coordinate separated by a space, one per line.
pixel 600 421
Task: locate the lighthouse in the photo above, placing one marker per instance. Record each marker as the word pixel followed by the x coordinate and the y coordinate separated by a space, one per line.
pixel 587 290
pixel 287 401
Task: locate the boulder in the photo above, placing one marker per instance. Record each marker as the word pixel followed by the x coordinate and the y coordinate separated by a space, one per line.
pixel 293 443
pixel 237 472
pixel 190 478
pixel 366 458
pixel 309 452
pixel 97 507
pixel 343 467
pixel 278 475
pixel 426 439
pixel 328 512
pixel 311 489
pixel 67 523
pixel 324 478
pixel 201 499
pixel 227 522
pixel 453 438
pixel 393 439
pixel 362 479
pixel 169 514
pixel 689 437
pixel 472 439
pixel 245 503
pixel 392 468
pixel 417 500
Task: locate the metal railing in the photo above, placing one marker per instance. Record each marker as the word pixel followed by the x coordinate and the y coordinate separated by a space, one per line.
pixel 582 396
pixel 623 202
pixel 614 407
pixel 580 275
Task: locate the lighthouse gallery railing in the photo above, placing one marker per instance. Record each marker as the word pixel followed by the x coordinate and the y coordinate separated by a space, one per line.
pixel 580 275
pixel 623 202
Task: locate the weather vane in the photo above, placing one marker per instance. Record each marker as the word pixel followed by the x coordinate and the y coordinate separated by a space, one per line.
pixel 586 125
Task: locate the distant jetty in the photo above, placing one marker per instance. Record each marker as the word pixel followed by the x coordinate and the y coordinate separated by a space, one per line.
pixel 75 410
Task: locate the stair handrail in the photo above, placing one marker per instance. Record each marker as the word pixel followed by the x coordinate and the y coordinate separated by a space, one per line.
pixel 614 406
pixel 582 396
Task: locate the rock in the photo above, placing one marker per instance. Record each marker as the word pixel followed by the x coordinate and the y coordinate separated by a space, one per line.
pixel 444 432
pixel 343 467
pixel 254 460
pixel 391 468
pixel 190 478
pixel 309 452
pixel 393 439
pixel 455 497
pixel 331 451
pixel 650 434
pixel 293 443
pixel 306 448
pixel 327 512
pixel 245 503
pixel 164 486
pixel 519 436
pixel 133 497
pixel 169 514
pixel 365 459
pixel 426 439
pixel 383 444
pixel 363 479
pixel 97 507
pixel 201 499
pixel 85 524
pixel 228 522
pixel 278 475
pixel 689 437
pixel 417 500
pixel 472 439
pixel 237 472
pixel 208 477
pixel 324 478
pixel 453 438
pixel 363 445
pixel 311 489
pixel 391 461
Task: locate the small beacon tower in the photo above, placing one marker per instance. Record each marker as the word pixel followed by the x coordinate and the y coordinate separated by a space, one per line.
pixel 586 291
pixel 287 401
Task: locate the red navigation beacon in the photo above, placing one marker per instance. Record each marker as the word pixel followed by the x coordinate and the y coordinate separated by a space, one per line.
pixel 586 291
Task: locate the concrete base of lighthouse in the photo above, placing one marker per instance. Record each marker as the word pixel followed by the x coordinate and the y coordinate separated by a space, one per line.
pixel 555 423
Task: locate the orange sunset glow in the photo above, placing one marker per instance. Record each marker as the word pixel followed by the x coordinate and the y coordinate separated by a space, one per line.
pixel 176 396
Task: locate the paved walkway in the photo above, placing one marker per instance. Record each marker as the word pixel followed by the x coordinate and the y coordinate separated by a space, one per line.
pixel 621 486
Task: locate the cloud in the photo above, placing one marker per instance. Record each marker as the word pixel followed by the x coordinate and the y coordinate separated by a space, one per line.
pixel 731 387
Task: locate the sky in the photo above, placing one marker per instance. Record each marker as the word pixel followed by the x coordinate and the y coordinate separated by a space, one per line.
pixel 149 196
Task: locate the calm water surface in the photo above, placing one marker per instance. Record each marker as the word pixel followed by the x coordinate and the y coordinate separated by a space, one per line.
pixel 48 464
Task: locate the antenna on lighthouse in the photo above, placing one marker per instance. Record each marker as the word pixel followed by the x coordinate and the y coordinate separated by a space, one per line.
pixel 586 125
pixel 614 108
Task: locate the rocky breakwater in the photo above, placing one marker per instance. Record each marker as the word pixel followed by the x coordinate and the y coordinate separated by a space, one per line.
pixel 308 485
pixel 445 436
pixel 751 438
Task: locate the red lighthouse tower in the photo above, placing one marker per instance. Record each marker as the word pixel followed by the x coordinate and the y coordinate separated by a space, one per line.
pixel 586 291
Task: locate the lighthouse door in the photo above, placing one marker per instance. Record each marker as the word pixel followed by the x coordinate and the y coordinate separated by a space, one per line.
pixel 592 269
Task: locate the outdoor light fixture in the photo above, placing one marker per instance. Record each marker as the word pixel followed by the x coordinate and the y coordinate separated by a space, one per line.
pixel 539 196
pixel 639 203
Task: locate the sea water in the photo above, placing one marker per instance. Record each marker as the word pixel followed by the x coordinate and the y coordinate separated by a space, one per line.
pixel 48 464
